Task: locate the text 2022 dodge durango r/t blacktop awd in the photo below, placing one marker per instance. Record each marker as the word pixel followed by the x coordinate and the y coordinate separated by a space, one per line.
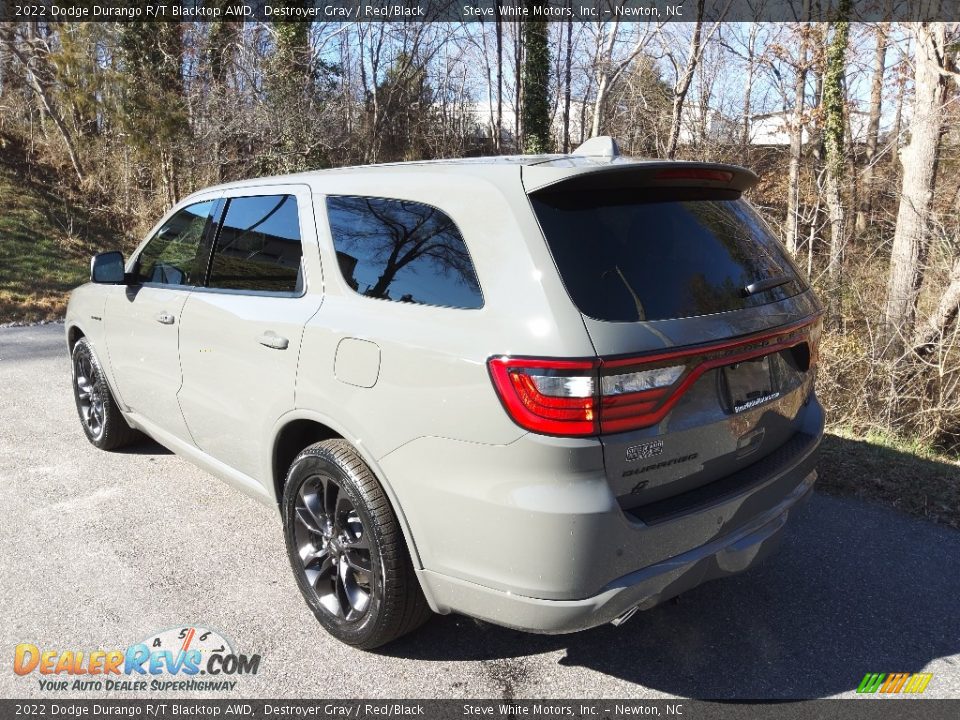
pixel 543 391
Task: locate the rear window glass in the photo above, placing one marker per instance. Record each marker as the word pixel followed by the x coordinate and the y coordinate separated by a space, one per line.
pixel 626 259
pixel 402 251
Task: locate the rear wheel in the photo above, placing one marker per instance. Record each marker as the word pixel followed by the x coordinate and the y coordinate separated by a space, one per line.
pixel 347 550
pixel 101 419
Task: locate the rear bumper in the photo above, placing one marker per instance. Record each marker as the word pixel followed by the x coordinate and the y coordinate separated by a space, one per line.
pixel 530 536
pixel 642 589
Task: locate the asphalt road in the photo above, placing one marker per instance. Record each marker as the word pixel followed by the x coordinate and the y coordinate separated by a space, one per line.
pixel 99 550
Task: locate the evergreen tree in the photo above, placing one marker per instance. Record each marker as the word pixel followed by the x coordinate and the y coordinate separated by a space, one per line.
pixel 536 84
pixel 294 84
pixel 153 108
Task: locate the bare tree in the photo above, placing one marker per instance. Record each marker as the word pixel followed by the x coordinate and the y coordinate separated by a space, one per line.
pixel 567 73
pixel 882 30
pixel 30 59
pixel 609 70
pixel 919 177
pixel 751 50
pixel 940 320
pixel 685 76
pixel 834 102
pixel 797 122
pixel 498 138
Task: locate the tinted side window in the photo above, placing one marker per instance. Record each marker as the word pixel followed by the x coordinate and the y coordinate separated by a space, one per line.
pixel 170 258
pixel 403 251
pixel 258 246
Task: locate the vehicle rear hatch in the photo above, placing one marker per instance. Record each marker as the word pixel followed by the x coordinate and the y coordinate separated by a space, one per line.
pixel 705 330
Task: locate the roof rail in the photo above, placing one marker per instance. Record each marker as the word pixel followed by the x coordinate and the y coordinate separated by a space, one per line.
pixel 600 146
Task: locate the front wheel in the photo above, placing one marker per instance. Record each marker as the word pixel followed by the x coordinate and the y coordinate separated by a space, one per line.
pixel 347 550
pixel 100 417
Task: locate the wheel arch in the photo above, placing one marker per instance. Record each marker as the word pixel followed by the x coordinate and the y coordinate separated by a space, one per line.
pixel 298 430
pixel 74 333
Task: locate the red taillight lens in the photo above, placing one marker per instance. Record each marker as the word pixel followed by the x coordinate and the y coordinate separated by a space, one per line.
pixel 631 396
pixel 551 397
pixel 592 397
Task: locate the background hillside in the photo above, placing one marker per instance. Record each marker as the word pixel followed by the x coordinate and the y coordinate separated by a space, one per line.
pixel 46 239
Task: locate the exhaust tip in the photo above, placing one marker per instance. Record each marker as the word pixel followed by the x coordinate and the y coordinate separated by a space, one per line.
pixel 623 617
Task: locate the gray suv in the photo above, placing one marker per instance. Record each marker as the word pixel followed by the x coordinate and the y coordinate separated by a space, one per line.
pixel 541 391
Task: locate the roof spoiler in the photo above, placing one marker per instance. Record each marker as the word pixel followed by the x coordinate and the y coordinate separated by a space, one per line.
pixel 620 173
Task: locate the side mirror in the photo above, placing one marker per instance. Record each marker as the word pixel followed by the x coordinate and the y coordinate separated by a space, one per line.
pixel 107 268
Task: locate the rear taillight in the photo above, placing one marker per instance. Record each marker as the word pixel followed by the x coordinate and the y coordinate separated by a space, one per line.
pixel 630 396
pixel 610 395
pixel 551 397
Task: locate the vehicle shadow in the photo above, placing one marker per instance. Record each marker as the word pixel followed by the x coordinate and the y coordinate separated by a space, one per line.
pixel 148 446
pixel 855 588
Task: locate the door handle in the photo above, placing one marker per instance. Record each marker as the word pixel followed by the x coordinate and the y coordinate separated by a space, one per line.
pixel 271 340
pixel 165 318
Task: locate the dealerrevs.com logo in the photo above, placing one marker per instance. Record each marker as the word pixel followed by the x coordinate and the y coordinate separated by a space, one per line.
pixel 185 658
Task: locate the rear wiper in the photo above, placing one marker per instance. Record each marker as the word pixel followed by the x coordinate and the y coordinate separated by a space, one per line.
pixel 766 284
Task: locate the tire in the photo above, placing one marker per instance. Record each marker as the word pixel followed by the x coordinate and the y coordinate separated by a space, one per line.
pixel 101 419
pixel 347 550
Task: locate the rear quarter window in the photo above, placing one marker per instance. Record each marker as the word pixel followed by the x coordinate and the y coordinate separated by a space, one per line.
pixel 402 251
pixel 656 254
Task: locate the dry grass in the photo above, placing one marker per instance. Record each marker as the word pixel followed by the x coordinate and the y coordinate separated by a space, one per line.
pixel 46 240
pixel 903 475
pixel 34 307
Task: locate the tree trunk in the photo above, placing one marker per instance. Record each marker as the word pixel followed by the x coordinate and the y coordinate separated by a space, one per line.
pixel 604 59
pixel 748 90
pixel 50 109
pixel 598 105
pixel 518 85
pixel 945 314
pixel 834 100
pixel 498 139
pixel 873 128
pixel 683 83
pixel 815 129
pixel 893 146
pixel 566 84
pixel 583 122
pixel 919 177
pixel 10 79
pixel 792 229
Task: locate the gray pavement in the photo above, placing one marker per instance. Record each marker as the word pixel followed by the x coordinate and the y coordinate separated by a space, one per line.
pixel 102 549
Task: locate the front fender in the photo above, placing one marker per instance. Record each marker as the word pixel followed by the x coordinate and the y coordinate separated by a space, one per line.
pixel 86 316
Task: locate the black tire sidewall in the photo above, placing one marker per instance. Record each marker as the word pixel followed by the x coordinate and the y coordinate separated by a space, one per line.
pixel 318 462
pixel 83 348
